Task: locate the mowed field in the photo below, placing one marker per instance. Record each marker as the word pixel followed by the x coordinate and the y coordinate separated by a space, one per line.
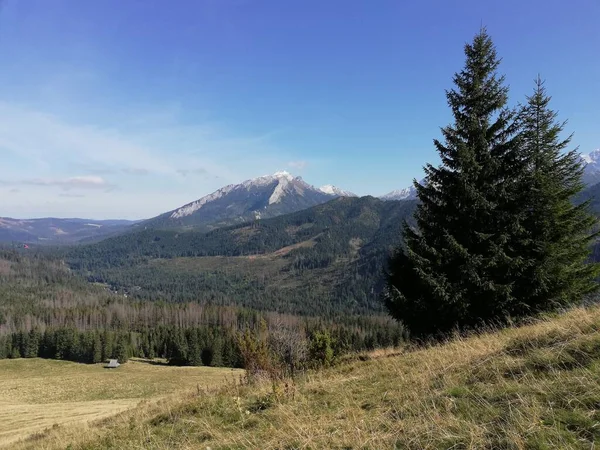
pixel 38 394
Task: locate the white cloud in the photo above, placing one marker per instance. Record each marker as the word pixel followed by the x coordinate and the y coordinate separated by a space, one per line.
pixel 297 164
pixel 79 182
pixel 179 164
pixel 135 171
pixel 44 140
pixel 198 171
pixel 71 195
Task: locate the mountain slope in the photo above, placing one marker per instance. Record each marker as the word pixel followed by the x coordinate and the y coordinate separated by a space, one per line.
pixel 322 260
pixel 533 387
pixel 258 198
pixel 52 230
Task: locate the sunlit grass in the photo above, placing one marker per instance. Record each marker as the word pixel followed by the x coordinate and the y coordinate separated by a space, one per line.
pixel 36 394
pixel 534 387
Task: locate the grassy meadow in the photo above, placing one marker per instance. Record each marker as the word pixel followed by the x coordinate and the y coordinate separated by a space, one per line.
pixel 38 394
pixel 532 387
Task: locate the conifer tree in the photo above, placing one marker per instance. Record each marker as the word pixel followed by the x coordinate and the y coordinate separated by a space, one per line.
pixel 33 343
pixel 457 265
pixel 217 351
pixel 107 345
pixel 48 345
pixel 557 233
pixel 121 349
pixel 96 348
pixel 194 350
pixel 177 347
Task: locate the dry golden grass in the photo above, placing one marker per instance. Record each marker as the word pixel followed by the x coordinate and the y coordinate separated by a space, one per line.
pixel 533 387
pixel 37 394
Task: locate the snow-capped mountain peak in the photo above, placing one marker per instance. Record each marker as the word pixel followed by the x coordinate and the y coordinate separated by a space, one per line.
pixel 262 196
pixel 407 193
pixel 330 189
pixel 283 174
pixel 592 157
pixel 268 179
pixel 591 172
pixel 281 177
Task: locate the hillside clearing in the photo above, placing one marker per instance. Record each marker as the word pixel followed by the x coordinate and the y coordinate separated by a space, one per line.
pixel 534 387
pixel 36 394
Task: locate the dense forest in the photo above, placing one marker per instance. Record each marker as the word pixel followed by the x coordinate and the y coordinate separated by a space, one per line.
pixel 48 311
pixel 322 261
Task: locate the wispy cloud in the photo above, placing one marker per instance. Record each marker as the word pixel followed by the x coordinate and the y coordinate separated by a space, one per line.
pixel 297 164
pixel 79 182
pixel 135 171
pixel 156 168
pixel 71 195
pixel 44 140
pixel 198 171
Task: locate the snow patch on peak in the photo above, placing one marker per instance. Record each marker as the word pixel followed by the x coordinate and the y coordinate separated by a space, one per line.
pixel 268 179
pixel 283 174
pixel 591 170
pixel 333 190
pixel 402 194
pixel 591 158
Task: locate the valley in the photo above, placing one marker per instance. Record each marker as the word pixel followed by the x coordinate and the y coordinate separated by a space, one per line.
pixel 157 292
pixel 323 260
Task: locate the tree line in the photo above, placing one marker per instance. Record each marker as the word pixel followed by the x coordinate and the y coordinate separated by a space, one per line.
pixel 292 348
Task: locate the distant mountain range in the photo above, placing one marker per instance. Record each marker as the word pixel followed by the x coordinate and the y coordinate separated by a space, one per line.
pixel 52 230
pixel 408 193
pixel 258 198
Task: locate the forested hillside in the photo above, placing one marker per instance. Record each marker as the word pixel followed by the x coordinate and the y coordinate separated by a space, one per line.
pixel 324 260
pixel 47 311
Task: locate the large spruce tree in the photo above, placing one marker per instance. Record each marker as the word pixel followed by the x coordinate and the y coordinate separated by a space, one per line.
pixel 497 234
pixel 557 233
pixel 458 264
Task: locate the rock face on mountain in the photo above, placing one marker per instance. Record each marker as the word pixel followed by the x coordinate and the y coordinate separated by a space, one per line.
pixel 258 198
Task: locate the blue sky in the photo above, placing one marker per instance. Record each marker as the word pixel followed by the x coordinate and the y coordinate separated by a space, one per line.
pixel 126 109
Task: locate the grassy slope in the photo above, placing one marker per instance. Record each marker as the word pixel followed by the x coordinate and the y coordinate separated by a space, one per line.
pixel 534 387
pixel 36 394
